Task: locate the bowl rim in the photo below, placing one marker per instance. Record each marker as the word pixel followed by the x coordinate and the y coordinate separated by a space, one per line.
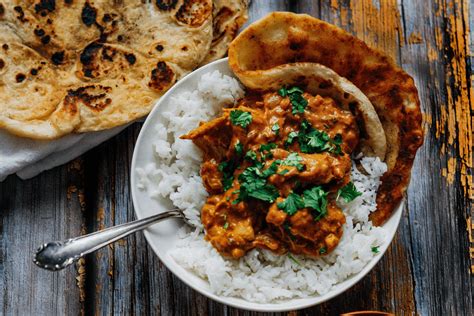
pixel 250 306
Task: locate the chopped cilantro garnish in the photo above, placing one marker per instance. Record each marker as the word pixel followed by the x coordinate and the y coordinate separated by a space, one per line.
pixel 267 193
pixel 291 138
pixel 316 198
pixel 296 98
pixel 239 148
pixel 315 141
pixel 251 155
pixel 226 225
pixel 298 102
pixel 267 147
pixel 290 256
pixel 291 204
pixel 240 118
pixel 337 139
pixel 285 91
pixel 282 92
pixel 227 169
pixel 276 129
pixel 294 90
pixel 348 192
pixel 253 185
pixel 375 249
pixel 294 160
pixel 322 250
pixel 270 170
pixel 283 172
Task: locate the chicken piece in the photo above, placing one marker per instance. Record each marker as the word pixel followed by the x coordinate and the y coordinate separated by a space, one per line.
pixel 211 177
pixel 325 233
pixel 212 137
pixel 229 227
pixel 276 216
pixel 319 168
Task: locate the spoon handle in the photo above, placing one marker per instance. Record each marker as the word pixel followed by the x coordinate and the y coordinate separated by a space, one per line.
pixel 57 255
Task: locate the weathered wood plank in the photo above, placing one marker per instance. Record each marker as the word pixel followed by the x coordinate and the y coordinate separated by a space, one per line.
pixel 438 202
pixel 31 212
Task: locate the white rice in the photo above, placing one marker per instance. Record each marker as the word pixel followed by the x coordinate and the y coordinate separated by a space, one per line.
pixel 260 276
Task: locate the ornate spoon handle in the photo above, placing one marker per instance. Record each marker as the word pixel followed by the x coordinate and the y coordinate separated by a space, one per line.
pixel 57 255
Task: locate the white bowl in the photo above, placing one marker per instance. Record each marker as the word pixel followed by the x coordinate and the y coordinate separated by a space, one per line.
pixel 161 236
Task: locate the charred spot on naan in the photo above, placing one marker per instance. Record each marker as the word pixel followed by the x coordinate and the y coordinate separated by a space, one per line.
pixel 20 14
pixel 44 7
pixel 88 14
pixel 92 96
pixel 162 77
pixel 166 5
pixel 99 60
pixel 194 12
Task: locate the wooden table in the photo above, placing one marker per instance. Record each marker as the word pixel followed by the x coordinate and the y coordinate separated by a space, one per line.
pixel 427 269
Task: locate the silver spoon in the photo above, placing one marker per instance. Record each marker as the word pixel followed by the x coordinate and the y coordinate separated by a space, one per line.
pixel 57 255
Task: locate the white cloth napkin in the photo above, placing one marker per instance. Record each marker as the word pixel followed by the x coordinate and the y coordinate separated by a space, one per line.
pixel 28 157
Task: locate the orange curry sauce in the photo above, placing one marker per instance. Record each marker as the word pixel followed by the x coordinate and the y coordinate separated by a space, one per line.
pixel 235 222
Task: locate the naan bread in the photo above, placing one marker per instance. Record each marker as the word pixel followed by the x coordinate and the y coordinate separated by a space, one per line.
pixel 228 17
pixel 282 38
pixel 78 65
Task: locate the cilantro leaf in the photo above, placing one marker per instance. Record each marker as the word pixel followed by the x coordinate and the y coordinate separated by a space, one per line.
pixel 291 204
pixel 297 101
pixel 283 172
pixel 316 198
pixel 293 259
pixel 315 141
pixel 227 169
pixel 239 148
pixel 267 193
pixel 267 147
pixel 251 155
pixel 337 139
pixel 270 170
pixel 253 185
pixel 291 138
pixel 226 225
pixel 294 90
pixel 375 249
pixel 322 250
pixel 283 92
pixel 348 192
pixel 294 160
pixel 240 118
pixel 276 129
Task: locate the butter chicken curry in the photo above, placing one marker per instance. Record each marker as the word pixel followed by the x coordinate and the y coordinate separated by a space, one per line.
pixel 274 166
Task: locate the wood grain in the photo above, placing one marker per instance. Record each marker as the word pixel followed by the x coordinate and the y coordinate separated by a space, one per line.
pixel 426 270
